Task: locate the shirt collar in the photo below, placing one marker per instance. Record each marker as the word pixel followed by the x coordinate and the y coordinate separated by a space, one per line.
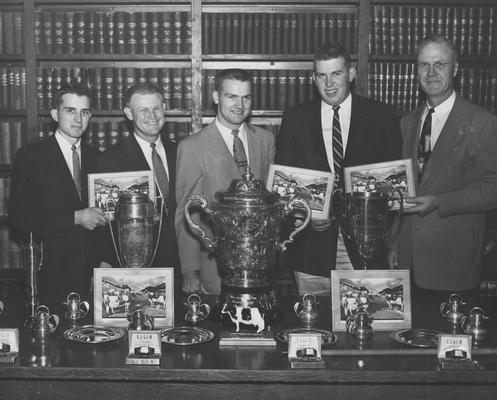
pixel 443 108
pixel 227 131
pixel 64 143
pixel 145 146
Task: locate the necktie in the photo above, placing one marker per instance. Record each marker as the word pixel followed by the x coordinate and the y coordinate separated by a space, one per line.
pixel 76 169
pixel 160 174
pixel 239 151
pixel 337 148
pixel 424 149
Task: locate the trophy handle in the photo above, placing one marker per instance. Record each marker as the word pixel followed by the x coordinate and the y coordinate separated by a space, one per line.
pixel 84 308
pixel 202 202
pixel 292 206
pixel 114 243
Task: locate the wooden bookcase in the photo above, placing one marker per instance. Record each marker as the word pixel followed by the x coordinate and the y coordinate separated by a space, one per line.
pixel 180 44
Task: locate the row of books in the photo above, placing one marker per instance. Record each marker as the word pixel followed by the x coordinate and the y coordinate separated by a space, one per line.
pixel 10 251
pixel 396 83
pixel 271 89
pixel 12 87
pixel 11 139
pixel 276 33
pixel 395 30
pixel 109 85
pixel 11 32
pixel 4 195
pixel 112 32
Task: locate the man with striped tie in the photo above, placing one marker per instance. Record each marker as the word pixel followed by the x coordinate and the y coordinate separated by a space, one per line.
pixel 49 197
pixel 209 161
pixel 337 130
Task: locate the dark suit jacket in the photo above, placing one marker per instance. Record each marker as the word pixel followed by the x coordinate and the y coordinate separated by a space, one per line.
pixel 43 200
pixel 128 156
pixel 374 136
pixel 445 247
pixel 205 165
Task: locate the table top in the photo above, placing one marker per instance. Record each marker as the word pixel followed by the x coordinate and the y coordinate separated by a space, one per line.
pixel 380 359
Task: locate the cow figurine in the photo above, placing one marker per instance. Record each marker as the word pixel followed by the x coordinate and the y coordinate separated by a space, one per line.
pixel 256 319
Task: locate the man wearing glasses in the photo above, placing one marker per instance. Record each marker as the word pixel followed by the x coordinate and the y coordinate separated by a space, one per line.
pixel 49 197
pixel 453 144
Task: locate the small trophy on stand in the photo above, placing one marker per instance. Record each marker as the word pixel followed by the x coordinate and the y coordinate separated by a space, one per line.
pixel 32 254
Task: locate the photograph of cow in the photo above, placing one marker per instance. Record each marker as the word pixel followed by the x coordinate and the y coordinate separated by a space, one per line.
pixel 381 297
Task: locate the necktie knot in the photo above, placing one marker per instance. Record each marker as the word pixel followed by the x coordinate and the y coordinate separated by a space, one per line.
pixel 152 145
pixel 239 154
pixel 336 108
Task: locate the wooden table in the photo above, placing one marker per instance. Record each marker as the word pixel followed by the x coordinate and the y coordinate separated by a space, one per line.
pixel 382 369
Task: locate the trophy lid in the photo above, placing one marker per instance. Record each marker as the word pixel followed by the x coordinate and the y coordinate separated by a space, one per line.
pixel 247 191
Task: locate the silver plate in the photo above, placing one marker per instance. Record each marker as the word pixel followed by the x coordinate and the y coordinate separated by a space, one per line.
pixel 92 334
pixel 186 335
pixel 327 338
pixel 416 337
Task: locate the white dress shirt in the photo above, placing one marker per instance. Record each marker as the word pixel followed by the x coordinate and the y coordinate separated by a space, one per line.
pixel 344 113
pixel 228 137
pixel 66 149
pixel 147 152
pixel 438 118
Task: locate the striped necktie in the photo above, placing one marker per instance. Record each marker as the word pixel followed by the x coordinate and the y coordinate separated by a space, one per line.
pixel 76 169
pixel 239 151
pixel 424 149
pixel 337 148
pixel 160 174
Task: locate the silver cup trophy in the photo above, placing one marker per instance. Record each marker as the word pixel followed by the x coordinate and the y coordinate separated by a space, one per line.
pixel 365 218
pixel 246 220
pixel 134 215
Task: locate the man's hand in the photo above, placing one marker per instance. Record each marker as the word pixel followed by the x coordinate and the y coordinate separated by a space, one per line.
pixel 90 218
pixel 424 205
pixel 191 282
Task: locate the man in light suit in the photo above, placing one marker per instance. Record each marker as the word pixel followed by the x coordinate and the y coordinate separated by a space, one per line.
pixel 369 133
pixel 49 198
pixel 206 163
pixel 144 107
pixel 442 235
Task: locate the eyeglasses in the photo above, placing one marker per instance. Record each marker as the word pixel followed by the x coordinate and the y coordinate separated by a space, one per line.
pixel 438 66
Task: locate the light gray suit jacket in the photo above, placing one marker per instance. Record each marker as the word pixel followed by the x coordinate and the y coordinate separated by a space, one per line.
pixel 444 247
pixel 204 166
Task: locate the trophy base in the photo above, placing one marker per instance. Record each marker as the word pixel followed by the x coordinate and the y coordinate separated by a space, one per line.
pixel 244 309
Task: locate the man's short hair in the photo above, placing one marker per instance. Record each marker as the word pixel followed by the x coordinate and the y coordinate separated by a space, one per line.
pixel 79 89
pixel 438 39
pixel 236 74
pixel 331 50
pixel 141 88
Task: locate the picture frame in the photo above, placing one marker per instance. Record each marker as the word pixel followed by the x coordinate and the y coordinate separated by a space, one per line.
pixel 368 177
pixel 312 185
pixel 384 294
pixel 104 188
pixel 118 291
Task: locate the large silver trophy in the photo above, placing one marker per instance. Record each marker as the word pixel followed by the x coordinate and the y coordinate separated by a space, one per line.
pixel 246 219
pixel 365 219
pixel 134 215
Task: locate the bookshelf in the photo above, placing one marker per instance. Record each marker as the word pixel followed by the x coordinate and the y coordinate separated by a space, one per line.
pixel 180 44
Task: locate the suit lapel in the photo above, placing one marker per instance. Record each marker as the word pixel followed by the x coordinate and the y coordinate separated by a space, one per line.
pixel 254 149
pixel 135 154
pixel 58 167
pixel 219 151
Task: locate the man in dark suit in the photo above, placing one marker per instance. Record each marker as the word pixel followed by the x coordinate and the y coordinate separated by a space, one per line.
pixel 145 109
pixel 367 131
pixel 454 145
pixel 206 164
pixel 49 197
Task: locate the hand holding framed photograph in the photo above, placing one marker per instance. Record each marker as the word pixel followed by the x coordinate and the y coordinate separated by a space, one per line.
pixel 391 177
pixel 311 185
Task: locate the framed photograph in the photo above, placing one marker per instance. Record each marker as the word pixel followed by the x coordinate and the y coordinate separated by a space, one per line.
pixel 391 176
pixel 104 189
pixel 119 291
pixel 311 185
pixel 384 294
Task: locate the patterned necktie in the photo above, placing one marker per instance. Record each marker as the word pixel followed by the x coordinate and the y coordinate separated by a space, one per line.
pixel 337 148
pixel 239 151
pixel 160 174
pixel 424 149
pixel 76 169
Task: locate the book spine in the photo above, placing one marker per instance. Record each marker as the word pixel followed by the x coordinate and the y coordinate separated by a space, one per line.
pixel 68 34
pixel 481 26
pixel 205 32
pixel 472 35
pixel 264 35
pixel 91 33
pixel 119 89
pixel 271 33
pixel 403 28
pixel 113 138
pixel 282 90
pixel 97 86
pixel 279 34
pixel 153 76
pixel 5 143
pixel 187 33
pixel 220 27
pixel 236 33
pixel 154 33
pixel 264 90
pixel 177 88
pixel 58 32
pixel 302 86
pixel 300 41
pixel 348 32
pixel 463 33
pixel 292 89
pixel 22 88
pixel 177 32
pixel 256 89
pixel 80 32
pixel 165 84
pixel 130 32
pixel 110 33
pixel 491 31
pixel 100 23
pixel 210 80
pixel 143 39
pixel 16 139
pixel 272 89
pixel 18 33
pixel 385 29
pixel 394 31
pixel 120 35
pixel 2 28
pixel 8 24
pixel 250 33
pixel 165 33
pixel 11 91
pixel 187 89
